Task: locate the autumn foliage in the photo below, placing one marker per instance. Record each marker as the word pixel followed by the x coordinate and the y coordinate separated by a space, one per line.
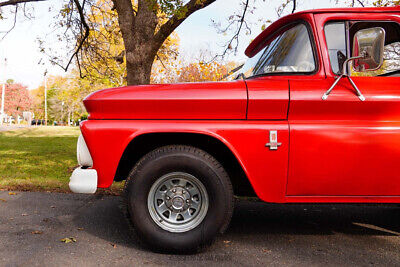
pixel 200 72
pixel 180 72
pixel 17 99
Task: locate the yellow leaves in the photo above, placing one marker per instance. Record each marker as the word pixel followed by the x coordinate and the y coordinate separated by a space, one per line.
pixel 386 3
pixel 12 193
pixel 65 11
pixel 105 64
pixel 177 71
pixel 67 240
pixel 36 232
pixel 199 2
pixel 199 72
pixel 182 12
pixel 227 242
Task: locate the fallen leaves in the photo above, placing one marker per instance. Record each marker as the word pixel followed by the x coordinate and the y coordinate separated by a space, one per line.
pixel 3 200
pixel 113 245
pixel 24 214
pixel 12 193
pixel 36 232
pixel 226 242
pixel 68 240
pixel 80 228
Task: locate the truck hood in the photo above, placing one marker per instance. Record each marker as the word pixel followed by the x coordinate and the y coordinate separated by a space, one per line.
pixel 215 100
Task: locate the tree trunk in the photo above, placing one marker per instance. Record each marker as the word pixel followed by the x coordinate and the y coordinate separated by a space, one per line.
pixel 138 35
pixel 139 62
pixel 141 40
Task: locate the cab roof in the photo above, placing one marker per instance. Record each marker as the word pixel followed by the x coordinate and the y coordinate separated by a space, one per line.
pixel 349 10
pixel 255 45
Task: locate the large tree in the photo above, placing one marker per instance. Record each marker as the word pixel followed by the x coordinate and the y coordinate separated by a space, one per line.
pixel 102 55
pixel 144 26
pixel 144 33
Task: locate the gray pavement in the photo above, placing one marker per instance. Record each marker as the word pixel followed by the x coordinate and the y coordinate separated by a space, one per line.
pixel 260 234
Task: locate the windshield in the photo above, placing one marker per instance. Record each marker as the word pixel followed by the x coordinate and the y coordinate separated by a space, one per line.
pixel 289 52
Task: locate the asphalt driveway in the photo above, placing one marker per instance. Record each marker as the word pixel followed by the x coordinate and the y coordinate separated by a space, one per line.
pixel 32 224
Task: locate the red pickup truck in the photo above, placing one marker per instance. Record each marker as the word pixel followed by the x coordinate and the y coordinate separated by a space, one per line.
pixel 312 117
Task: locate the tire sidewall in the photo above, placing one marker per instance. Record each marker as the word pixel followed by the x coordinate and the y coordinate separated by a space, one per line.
pixel 153 168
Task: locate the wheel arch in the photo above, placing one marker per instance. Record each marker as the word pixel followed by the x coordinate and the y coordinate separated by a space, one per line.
pixel 216 146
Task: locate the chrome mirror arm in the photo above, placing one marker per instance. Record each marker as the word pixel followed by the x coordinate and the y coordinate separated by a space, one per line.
pixel 325 96
pixel 359 94
pixel 344 74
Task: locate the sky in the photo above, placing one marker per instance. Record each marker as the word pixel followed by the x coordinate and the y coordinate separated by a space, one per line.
pixel 196 34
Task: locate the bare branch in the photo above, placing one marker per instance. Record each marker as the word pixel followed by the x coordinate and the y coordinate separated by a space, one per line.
pixel 231 72
pixel 162 63
pixel 176 20
pixel 361 3
pixel 353 2
pixel 294 6
pixel 85 35
pixel 16 2
pixel 235 37
pixel 79 67
pixel 13 26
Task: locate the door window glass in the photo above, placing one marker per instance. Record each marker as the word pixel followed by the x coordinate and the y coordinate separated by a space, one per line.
pixel 335 35
pixel 290 52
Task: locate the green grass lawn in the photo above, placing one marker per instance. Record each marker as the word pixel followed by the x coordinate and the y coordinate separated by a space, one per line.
pixel 39 159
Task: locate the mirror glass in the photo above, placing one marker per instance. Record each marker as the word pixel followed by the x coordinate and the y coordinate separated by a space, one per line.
pixel 368 42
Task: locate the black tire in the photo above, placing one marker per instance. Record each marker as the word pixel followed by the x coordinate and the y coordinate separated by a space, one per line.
pixel 179 158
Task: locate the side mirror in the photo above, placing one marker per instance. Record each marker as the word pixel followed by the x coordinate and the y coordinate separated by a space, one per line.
pixel 368 47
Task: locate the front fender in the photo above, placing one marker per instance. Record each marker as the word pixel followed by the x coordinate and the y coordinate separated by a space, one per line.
pixel 266 169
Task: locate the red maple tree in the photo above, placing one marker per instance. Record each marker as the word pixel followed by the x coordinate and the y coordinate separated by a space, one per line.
pixel 16 100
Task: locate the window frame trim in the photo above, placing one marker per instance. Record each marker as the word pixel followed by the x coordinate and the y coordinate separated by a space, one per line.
pixel 312 39
pixel 346 39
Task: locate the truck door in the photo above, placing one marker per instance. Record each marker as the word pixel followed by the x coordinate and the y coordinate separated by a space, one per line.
pixel 343 146
pixel 288 53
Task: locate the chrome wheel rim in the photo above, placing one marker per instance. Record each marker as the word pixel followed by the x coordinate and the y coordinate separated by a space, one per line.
pixel 177 202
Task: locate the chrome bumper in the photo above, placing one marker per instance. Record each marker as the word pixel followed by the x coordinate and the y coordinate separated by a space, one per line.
pixel 83 181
